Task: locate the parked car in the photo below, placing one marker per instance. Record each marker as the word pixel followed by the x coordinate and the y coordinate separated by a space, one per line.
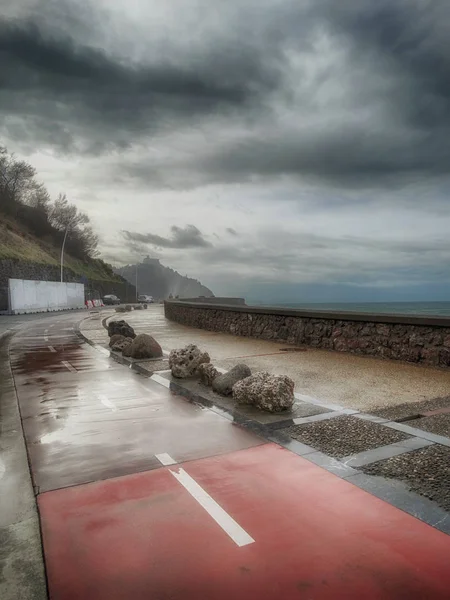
pixel 143 298
pixel 111 299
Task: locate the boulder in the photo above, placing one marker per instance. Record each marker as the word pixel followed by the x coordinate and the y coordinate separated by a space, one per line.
pixel 207 372
pixel 122 328
pixel 273 393
pixel 184 362
pixel 120 309
pixel 116 337
pixel 144 346
pixel 122 345
pixel 223 384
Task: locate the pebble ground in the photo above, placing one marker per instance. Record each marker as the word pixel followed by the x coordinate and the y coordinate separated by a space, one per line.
pixel 426 471
pixel 343 436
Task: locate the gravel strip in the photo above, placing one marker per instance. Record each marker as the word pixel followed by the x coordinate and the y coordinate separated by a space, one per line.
pixel 412 408
pixel 342 436
pixel 438 424
pixel 426 471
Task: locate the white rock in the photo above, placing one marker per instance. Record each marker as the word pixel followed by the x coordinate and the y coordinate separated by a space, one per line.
pixel 184 362
pixel 273 393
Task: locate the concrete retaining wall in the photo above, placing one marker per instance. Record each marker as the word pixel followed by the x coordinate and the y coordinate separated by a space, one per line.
pixel 424 340
pixel 93 288
pixel 40 296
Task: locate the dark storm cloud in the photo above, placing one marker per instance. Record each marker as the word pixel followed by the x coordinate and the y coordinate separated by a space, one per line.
pixel 181 238
pixel 49 77
pixel 378 113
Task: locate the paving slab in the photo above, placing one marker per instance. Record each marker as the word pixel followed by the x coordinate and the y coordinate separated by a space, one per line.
pixel 383 452
pixel 155 532
pixel 22 574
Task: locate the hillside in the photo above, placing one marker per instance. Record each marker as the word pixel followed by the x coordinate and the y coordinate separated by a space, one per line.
pixel 24 256
pixel 159 281
pixel 18 244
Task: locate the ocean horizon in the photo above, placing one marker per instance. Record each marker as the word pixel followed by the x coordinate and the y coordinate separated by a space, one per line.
pixel 402 308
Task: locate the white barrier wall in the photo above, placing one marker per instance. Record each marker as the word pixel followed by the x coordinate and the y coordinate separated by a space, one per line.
pixel 40 296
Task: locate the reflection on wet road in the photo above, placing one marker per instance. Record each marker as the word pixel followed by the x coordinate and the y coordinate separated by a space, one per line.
pixel 182 504
pixel 87 418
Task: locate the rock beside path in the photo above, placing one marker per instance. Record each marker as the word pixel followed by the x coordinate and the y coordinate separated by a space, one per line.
pixel 184 362
pixel 272 393
pixel 143 346
pixel 207 373
pixel 122 345
pixel 223 384
pixel 121 328
pixel 117 337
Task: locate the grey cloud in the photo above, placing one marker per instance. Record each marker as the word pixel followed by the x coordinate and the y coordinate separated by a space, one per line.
pixel 256 83
pixel 49 76
pixel 181 238
pixel 231 231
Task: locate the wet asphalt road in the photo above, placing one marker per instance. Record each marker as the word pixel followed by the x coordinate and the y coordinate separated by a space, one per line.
pixel 87 418
pixel 231 516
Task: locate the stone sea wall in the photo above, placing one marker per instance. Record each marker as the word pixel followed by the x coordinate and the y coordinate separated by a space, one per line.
pixel 424 340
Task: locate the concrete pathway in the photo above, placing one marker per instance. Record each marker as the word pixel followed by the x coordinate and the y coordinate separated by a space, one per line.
pixel 144 495
pixel 362 383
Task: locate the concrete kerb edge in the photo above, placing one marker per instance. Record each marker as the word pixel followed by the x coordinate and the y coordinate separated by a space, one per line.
pixel 43 591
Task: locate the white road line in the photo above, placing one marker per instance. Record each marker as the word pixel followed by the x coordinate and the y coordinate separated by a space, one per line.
pixel 51 349
pixel 222 518
pixel 52 325
pixel 46 335
pixel 165 459
pixel 69 366
pixel 107 402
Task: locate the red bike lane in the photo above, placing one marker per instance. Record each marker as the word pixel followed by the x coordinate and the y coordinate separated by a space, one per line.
pixel 297 531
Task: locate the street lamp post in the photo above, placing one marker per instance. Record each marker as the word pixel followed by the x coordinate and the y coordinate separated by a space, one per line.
pixel 136 282
pixel 62 249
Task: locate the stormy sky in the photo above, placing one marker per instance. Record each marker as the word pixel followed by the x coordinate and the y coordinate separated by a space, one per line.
pixel 279 149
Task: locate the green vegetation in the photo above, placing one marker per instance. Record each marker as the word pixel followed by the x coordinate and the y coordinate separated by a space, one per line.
pixel 33 227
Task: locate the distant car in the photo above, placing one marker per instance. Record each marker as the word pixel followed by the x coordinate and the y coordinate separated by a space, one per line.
pixel 143 298
pixel 111 299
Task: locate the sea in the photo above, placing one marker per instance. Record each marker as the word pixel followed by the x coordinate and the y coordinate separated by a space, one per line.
pixel 396 308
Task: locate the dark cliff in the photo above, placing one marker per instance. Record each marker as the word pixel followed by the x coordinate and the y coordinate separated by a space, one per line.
pixel 159 281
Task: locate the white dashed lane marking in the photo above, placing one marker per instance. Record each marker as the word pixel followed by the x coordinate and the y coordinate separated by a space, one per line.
pixel 165 459
pixel 51 349
pixel 222 518
pixel 107 402
pixel 69 366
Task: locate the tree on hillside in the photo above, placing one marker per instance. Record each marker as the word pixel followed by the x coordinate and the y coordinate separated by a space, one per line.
pixel 16 178
pixel 28 201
